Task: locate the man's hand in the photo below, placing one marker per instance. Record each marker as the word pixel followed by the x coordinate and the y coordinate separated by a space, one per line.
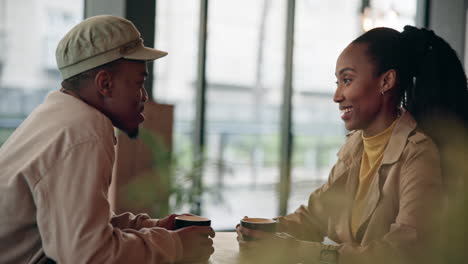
pixel 168 222
pixel 196 242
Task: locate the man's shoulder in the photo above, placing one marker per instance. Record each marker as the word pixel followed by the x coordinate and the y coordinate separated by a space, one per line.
pixel 69 115
pixel 51 131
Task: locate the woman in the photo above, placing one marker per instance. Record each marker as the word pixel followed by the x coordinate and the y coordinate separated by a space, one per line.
pixel 382 202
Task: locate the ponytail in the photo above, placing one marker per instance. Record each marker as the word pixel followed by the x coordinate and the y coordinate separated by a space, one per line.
pixel 436 82
pixel 431 79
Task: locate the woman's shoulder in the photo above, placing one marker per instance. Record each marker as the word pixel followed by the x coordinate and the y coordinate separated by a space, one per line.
pixel 419 143
pixel 408 136
pixel 419 153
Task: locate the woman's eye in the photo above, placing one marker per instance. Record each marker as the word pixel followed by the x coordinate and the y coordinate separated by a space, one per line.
pixel 346 80
pixel 343 81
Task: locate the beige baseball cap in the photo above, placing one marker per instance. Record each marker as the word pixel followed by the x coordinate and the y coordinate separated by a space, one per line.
pixel 99 40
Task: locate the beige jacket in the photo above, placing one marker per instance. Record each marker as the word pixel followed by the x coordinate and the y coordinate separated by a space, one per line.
pixel 402 217
pixel 55 173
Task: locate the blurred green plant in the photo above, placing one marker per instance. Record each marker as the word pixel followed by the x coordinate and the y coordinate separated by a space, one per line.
pixel 169 184
pixel 451 137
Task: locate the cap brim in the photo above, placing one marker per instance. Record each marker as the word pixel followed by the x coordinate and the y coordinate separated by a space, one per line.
pixel 146 54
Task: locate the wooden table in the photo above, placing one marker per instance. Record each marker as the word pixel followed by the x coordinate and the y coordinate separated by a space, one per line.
pixel 226 249
pixel 227 252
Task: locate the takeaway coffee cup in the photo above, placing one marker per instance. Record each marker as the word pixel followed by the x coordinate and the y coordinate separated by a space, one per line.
pixel 191 220
pixel 263 224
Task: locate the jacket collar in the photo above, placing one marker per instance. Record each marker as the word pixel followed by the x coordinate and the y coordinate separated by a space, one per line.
pixel 71 99
pixel 351 153
pixel 405 125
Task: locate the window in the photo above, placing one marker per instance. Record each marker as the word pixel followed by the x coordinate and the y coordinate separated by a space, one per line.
pixel 322 32
pixel 244 83
pixel 389 13
pixel 176 75
pixel 28 37
pixel 244 80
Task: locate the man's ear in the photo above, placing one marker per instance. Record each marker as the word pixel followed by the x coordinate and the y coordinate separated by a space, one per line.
pixel 389 80
pixel 103 82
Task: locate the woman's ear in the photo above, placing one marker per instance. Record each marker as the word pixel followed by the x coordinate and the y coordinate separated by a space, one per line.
pixel 389 80
pixel 103 82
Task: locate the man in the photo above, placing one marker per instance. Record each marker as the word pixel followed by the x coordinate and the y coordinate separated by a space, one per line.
pixel 56 167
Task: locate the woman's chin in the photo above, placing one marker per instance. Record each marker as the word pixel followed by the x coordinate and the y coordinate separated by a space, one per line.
pixel 349 126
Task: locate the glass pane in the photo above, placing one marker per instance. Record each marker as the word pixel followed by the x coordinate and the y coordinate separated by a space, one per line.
pixel 244 77
pixel 389 13
pixel 28 38
pixel 317 128
pixel 175 74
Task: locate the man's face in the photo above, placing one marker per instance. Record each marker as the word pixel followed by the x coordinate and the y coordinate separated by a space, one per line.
pixel 125 107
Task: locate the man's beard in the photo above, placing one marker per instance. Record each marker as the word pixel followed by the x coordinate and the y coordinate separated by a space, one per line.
pixel 133 134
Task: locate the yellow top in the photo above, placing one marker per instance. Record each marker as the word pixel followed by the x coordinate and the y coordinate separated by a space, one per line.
pixel 374 147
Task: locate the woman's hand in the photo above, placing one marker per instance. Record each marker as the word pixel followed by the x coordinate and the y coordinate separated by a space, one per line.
pixel 266 247
pixel 247 234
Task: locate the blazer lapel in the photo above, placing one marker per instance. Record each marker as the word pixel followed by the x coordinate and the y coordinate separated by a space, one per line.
pixel 347 177
pixel 372 198
pixel 394 148
pixel 351 188
pixel 351 159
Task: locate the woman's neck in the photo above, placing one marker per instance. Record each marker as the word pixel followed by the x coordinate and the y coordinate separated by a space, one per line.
pixel 381 123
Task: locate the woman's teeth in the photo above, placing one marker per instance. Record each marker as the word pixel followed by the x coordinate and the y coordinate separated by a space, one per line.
pixel 346 110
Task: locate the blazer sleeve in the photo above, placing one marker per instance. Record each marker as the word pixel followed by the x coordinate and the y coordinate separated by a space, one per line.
pixel 74 216
pixel 310 222
pixel 413 237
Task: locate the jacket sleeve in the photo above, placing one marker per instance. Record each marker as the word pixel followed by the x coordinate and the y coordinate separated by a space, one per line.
pixel 311 222
pixel 413 237
pixel 130 221
pixel 74 216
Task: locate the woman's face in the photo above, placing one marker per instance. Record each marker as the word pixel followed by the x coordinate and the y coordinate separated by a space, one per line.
pixel 358 90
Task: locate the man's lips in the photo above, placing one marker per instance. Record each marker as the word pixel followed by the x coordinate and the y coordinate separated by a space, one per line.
pixel 141 114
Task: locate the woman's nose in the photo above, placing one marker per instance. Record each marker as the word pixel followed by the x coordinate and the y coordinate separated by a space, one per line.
pixel 338 96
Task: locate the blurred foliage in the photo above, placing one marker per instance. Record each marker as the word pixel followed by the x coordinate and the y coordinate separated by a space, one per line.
pixel 171 183
pixel 451 136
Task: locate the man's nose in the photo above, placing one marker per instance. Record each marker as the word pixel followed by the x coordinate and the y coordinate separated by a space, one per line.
pixel 145 96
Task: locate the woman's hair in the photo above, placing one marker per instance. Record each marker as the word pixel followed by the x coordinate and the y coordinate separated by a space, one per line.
pixel 431 80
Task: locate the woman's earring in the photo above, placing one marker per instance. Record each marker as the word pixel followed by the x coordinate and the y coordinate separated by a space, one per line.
pixel 382 92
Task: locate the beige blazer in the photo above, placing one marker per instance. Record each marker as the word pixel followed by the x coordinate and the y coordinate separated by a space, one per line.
pixel 400 222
